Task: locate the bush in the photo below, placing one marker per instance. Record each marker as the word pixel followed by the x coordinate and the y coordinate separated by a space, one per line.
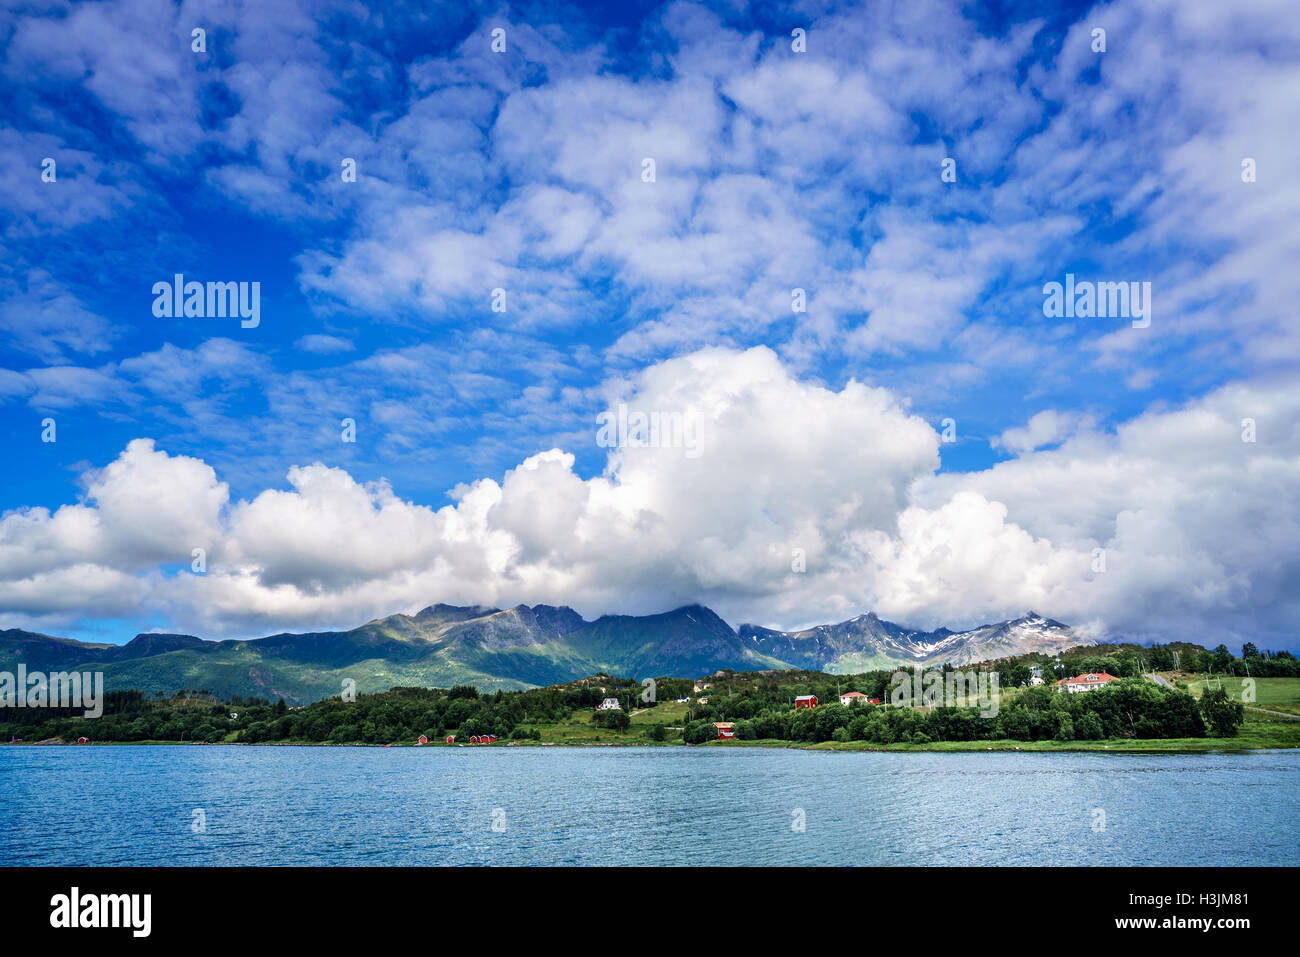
pixel 698 732
pixel 1064 729
pixel 343 733
pixel 1146 728
pixel 1088 728
pixel 473 727
pixel 615 720
pixel 1222 714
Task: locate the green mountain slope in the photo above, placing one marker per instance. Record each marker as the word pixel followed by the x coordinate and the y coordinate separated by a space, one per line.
pixel 509 649
pixel 441 646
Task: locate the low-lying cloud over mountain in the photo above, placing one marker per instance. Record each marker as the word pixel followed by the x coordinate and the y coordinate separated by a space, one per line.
pixel 1169 527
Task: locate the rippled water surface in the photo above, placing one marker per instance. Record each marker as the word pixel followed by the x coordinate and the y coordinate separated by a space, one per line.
pixel 286 805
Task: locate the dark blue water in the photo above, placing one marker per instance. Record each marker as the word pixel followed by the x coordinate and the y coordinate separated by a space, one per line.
pixel 343 806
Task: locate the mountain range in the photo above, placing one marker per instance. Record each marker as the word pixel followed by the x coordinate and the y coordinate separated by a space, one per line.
pixel 514 648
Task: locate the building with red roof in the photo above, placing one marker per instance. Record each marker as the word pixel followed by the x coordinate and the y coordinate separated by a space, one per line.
pixel 849 697
pixel 1089 681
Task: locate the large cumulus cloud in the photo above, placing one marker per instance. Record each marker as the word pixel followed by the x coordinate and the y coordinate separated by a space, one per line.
pixel 1198 528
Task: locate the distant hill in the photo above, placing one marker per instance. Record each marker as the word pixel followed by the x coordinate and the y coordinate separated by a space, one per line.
pixel 515 648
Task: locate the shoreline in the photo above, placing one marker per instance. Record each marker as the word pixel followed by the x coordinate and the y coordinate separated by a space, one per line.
pixel 1150 746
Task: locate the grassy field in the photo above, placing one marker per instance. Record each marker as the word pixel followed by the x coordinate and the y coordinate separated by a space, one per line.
pixel 667 712
pixel 578 729
pixel 1275 694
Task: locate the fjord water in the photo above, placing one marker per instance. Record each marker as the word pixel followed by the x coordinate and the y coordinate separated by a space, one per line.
pixel 553 805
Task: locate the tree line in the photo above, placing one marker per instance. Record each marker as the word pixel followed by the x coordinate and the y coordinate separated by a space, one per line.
pixel 1129 708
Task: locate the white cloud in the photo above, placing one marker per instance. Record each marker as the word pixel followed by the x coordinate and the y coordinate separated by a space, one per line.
pixel 42 318
pixel 1048 427
pixel 775 170
pixel 144 510
pixel 1199 528
pixel 324 344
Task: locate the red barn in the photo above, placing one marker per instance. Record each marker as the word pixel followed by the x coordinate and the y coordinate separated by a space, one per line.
pixel 83 741
pixel 423 740
pixel 473 739
pixel 451 739
pixel 805 701
pixel 726 730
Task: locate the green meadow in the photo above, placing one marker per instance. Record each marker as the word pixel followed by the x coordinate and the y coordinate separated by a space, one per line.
pixel 1274 694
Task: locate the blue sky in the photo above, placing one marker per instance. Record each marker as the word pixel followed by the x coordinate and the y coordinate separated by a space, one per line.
pixel 522 170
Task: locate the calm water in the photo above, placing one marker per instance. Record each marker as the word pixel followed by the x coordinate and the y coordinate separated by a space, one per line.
pixel 134 805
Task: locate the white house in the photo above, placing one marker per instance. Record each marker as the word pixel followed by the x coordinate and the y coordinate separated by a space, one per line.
pixel 849 697
pixel 610 704
pixel 1085 682
pixel 1036 675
